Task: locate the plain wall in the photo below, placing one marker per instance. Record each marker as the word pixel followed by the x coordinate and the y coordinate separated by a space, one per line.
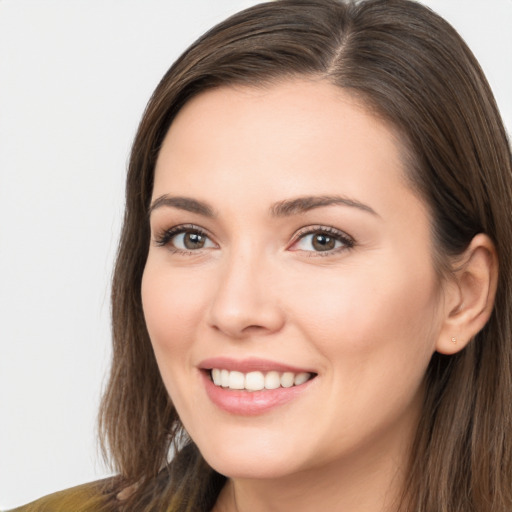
pixel 74 79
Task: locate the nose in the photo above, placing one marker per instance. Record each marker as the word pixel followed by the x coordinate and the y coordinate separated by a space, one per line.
pixel 245 301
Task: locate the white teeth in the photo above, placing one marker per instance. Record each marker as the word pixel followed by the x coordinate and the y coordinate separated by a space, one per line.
pixel 300 378
pixel 236 380
pixel 287 379
pixel 216 376
pixel 256 381
pixel 272 380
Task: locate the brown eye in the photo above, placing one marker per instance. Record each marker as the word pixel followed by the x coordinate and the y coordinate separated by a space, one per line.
pixel 323 242
pixel 193 240
pixel 185 239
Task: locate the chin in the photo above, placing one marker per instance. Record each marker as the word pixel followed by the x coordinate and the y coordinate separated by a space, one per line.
pixel 259 460
pixel 249 469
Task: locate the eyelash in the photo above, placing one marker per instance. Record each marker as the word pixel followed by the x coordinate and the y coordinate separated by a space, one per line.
pixel 347 241
pixel 165 237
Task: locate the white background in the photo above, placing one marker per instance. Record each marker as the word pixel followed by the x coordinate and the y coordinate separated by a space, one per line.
pixel 75 76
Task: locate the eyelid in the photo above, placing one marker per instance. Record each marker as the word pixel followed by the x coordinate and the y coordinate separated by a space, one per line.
pixel 347 241
pixel 163 237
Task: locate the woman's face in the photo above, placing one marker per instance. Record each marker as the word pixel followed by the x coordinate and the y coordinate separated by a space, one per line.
pixel 288 251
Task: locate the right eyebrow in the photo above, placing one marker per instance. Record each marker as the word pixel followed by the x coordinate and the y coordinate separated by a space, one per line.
pixel 182 203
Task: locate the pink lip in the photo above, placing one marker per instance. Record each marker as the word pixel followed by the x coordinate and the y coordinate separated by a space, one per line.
pixel 249 403
pixel 252 364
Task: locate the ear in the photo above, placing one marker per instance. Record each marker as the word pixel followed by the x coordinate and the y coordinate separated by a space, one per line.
pixel 469 295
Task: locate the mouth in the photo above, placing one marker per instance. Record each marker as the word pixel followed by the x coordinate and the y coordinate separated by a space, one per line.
pixel 257 380
pixel 253 386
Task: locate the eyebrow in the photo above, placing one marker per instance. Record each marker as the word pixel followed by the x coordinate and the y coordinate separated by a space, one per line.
pixel 284 208
pixel 182 203
pixel 306 203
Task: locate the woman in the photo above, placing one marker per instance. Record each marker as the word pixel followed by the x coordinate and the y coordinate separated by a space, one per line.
pixel 311 302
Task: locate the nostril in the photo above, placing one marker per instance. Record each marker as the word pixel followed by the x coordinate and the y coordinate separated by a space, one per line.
pixel 253 328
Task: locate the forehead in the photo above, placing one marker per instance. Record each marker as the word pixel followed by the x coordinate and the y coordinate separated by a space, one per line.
pixel 279 126
pixel 294 137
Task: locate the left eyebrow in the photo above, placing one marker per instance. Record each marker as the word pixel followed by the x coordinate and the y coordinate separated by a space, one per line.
pixel 306 203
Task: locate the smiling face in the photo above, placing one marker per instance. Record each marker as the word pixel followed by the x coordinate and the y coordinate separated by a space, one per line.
pixel 289 253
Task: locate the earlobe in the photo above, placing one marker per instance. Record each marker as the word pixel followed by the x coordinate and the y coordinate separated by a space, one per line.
pixel 470 295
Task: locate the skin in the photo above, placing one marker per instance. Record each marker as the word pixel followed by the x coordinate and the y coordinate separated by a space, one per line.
pixel 366 316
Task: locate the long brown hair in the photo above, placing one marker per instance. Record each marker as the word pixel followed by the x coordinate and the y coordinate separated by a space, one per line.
pixel 410 67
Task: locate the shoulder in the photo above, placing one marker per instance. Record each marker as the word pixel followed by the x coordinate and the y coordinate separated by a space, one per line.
pixel 90 497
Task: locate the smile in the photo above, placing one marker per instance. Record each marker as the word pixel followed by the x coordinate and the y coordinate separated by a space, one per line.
pixel 257 380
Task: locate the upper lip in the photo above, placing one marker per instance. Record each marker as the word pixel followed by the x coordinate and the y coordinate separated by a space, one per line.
pixel 251 364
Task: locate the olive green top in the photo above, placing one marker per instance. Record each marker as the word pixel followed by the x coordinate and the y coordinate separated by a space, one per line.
pixel 83 498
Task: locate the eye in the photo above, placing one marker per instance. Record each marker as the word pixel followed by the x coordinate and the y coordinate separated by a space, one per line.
pixel 322 240
pixel 191 240
pixel 185 239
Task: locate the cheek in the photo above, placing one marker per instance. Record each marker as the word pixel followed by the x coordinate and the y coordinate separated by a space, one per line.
pixel 172 304
pixel 371 317
pixel 376 332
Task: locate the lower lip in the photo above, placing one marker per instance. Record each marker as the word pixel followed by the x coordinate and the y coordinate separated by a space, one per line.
pixel 250 403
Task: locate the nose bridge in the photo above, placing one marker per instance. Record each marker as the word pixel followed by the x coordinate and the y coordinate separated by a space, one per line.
pixel 243 302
